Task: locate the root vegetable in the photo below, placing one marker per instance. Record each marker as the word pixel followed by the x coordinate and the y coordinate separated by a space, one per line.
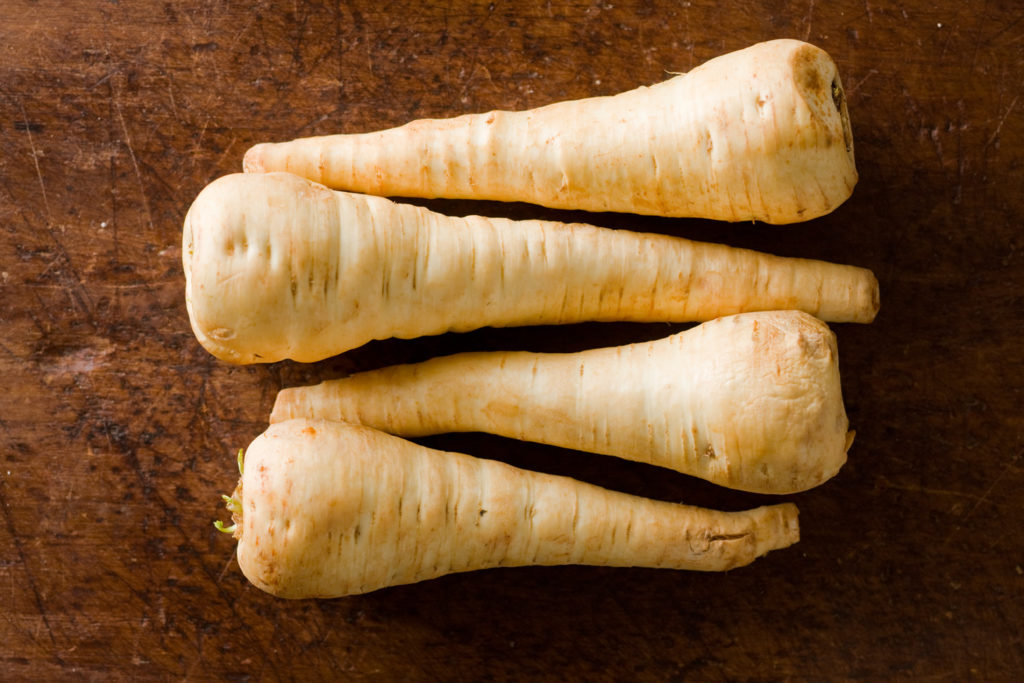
pixel 758 134
pixel 278 267
pixel 751 401
pixel 326 509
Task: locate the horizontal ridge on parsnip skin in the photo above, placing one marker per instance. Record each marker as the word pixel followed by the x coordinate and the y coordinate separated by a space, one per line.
pixel 757 134
pixel 327 509
pixel 751 401
pixel 277 266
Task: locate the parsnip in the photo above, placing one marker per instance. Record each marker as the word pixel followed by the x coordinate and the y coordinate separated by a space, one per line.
pixel 326 509
pixel 278 267
pixel 752 401
pixel 758 134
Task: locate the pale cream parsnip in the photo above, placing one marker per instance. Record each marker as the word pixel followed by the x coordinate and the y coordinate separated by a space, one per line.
pixel 327 509
pixel 751 401
pixel 277 266
pixel 758 134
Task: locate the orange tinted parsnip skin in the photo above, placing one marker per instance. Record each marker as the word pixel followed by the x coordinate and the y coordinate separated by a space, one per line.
pixel 278 267
pixel 329 509
pixel 758 134
pixel 751 401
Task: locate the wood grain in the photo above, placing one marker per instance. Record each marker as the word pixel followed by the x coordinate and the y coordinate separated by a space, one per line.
pixel 118 432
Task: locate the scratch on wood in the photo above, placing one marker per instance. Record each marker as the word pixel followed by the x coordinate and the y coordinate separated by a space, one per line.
pixel 137 659
pixel 1003 29
pixel 167 281
pixel 853 88
pixel 135 161
pixel 103 79
pixel 227 149
pixel 884 483
pixel 32 584
pixel 35 160
pixel 808 19
pixel 999 126
pixel 202 133
pixel 198 660
pixel 982 498
pixel 227 565
pixel 75 288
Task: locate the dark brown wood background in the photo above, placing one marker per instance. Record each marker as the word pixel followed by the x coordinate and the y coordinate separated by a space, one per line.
pixel 118 432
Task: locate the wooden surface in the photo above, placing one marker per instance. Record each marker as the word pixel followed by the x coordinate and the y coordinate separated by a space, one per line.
pixel 118 432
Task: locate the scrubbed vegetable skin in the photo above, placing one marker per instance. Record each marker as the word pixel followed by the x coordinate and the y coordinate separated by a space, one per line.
pixel 751 401
pixel 329 509
pixel 279 267
pixel 758 134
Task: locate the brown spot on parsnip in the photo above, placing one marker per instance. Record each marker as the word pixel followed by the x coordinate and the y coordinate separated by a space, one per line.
pixel 806 70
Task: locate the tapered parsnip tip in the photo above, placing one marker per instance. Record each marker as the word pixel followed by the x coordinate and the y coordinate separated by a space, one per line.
pixel 867 300
pixel 271 157
pixel 856 299
pixel 253 160
pixel 788 526
pixel 773 527
pixel 289 403
pixel 876 296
